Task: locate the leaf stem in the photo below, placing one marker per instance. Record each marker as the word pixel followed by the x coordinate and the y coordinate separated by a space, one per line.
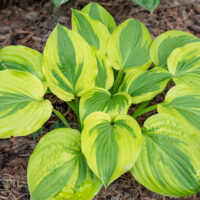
pixel 145 110
pixel 72 106
pixel 117 81
pixel 140 108
pixel 62 118
pixel 77 111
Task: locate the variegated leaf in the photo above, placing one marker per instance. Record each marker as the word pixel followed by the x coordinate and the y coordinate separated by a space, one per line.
pixel 145 85
pixel 58 170
pixel 169 160
pixel 110 145
pixel 97 12
pixel 184 102
pixel 105 76
pixel 93 31
pixel 21 58
pixel 22 107
pixel 165 43
pixel 69 64
pixel 128 46
pixel 100 99
pixel 184 64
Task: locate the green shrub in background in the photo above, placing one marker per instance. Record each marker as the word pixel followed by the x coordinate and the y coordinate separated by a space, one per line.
pixel 100 70
pixel 58 3
pixel 148 4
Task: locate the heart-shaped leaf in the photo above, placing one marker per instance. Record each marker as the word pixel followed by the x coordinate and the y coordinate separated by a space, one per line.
pixel 111 146
pixel 57 168
pixel 22 107
pixel 69 64
pixel 145 85
pixel 165 43
pixel 184 64
pixel 128 46
pixel 169 159
pixel 100 99
pixel 21 58
pixel 184 102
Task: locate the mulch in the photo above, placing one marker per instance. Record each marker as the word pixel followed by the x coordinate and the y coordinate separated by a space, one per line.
pixel 29 23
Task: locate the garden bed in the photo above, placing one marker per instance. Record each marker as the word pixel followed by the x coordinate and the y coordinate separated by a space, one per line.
pixel 29 23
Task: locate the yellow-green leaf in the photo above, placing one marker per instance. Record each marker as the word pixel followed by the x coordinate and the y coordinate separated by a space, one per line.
pixel 58 170
pixel 21 58
pixel 184 102
pixel 184 64
pixel 105 76
pixel 110 145
pixel 97 12
pixel 169 160
pixel 145 85
pixel 69 64
pixel 22 107
pixel 165 43
pixel 128 46
pixel 100 99
pixel 93 31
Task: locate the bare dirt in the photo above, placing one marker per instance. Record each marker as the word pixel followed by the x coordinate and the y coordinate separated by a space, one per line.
pixel 29 23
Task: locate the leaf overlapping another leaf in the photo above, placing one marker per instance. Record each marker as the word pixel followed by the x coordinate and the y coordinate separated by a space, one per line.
pixel 22 107
pixel 128 46
pixel 165 43
pixel 21 58
pixel 69 64
pixel 97 12
pixel 169 159
pixel 184 64
pixel 110 145
pixel 58 170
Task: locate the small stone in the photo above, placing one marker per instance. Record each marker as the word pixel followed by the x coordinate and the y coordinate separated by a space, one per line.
pixel 196 7
pixel 31 15
pixel 194 28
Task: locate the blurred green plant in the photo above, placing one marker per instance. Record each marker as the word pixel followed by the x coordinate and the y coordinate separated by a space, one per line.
pixel 148 4
pixel 58 3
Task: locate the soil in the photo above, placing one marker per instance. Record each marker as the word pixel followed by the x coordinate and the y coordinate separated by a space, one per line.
pixel 29 23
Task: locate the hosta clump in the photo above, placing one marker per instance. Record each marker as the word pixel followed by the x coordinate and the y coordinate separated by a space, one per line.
pixel 100 69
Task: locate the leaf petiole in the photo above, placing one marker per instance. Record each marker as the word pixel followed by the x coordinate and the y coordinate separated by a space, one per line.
pixel 62 118
pixel 145 110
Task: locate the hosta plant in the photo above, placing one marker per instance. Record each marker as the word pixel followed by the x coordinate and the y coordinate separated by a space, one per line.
pixel 100 70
